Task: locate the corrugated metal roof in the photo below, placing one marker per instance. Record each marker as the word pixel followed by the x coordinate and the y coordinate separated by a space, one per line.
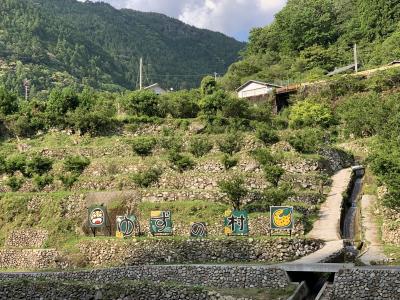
pixel 343 69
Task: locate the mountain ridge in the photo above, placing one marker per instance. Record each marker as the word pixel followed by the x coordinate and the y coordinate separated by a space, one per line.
pixel 99 45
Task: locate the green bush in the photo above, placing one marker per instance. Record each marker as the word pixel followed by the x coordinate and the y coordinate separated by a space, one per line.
pixel 180 161
pixel 181 104
pixel 143 146
pixel 15 163
pixel 307 140
pixel 147 178
pixel 229 161
pixel 263 156
pixel 235 191
pixel 8 102
pixel 171 141
pixel 230 144
pixel 200 146
pixel 15 183
pixel 142 103
pixel 38 165
pixel 361 115
pixel 309 113
pixel 267 135
pixel 41 181
pixel 275 196
pixel 2 164
pixel 273 174
pixel 68 180
pixel 76 164
pixel 236 108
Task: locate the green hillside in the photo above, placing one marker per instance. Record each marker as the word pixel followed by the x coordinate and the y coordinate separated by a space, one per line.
pixel 62 42
pixel 310 38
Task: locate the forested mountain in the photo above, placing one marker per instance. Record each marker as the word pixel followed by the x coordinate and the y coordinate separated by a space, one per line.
pixel 59 42
pixel 311 37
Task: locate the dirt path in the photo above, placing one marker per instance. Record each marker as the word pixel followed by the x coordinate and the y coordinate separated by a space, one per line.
pixel 327 227
pixel 375 250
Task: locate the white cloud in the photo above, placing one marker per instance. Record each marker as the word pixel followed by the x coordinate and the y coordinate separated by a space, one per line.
pixel 232 17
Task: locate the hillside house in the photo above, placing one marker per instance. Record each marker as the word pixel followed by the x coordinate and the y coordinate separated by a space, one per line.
pixel 253 89
pixel 156 88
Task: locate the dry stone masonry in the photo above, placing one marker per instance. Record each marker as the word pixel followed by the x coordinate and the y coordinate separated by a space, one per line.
pixel 156 251
pixel 27 238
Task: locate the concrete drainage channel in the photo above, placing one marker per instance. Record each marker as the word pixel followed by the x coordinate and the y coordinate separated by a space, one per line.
pixel 317 284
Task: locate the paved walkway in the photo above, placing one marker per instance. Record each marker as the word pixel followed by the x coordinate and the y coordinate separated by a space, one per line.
pixel 375 250
pixel 327 227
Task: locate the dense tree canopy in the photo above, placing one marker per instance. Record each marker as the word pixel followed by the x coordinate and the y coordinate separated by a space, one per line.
pixel 66 42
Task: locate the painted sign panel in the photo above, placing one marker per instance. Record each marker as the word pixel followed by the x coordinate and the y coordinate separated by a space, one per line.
pixel 97 216
pixel 281 217
pixel 161 223
pixel 126 226
pixel 198 230
pixel 236 222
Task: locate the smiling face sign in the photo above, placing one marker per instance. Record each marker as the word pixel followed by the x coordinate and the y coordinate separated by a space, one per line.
pixel 97 216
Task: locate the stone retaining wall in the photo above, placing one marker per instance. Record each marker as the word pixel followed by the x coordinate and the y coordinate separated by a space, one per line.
pixel 366 284
pixel 221 276
pixel 27 238
pixel 158 250
pixel 64 290
pixel 28 259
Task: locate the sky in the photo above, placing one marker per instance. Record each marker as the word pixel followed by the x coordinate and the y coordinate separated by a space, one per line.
pixel 235 18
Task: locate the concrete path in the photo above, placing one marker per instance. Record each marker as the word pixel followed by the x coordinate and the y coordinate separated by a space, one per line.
pixel 327 227
pixel 328 250
pixel 375 250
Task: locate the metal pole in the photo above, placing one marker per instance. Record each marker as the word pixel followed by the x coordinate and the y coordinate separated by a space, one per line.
pixel 141 74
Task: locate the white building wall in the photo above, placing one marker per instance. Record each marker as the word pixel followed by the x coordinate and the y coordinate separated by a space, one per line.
pixel 254 89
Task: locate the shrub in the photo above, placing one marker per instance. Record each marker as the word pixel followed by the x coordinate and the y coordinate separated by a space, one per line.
pixel 308 140
pixel 267 135
pixel 230 144
pixel 309 113
pixel 91 122
pixel 263 156
pixel 170 141
pixel 269 197
pixel 181 104
pixel 8 102
pixel 68 180
pixel 200 146
pixel 15 163
pixel 15 183
pixel 43 180
pixel 2 164
pixel 229 161
pixel 213 103
pixel 76 164
pixel 143 146
pixel 208 85
pixel 236 108
pixel 143 102
pixel 361 115
pixel 38 165
pixel 147 178
pixel 234 190
pixel 180 161
pixel 273 174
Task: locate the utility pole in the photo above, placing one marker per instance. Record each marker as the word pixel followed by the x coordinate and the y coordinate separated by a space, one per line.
pixel 26 83
pixel 355 58
pixel 141 74
pixel 215 76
